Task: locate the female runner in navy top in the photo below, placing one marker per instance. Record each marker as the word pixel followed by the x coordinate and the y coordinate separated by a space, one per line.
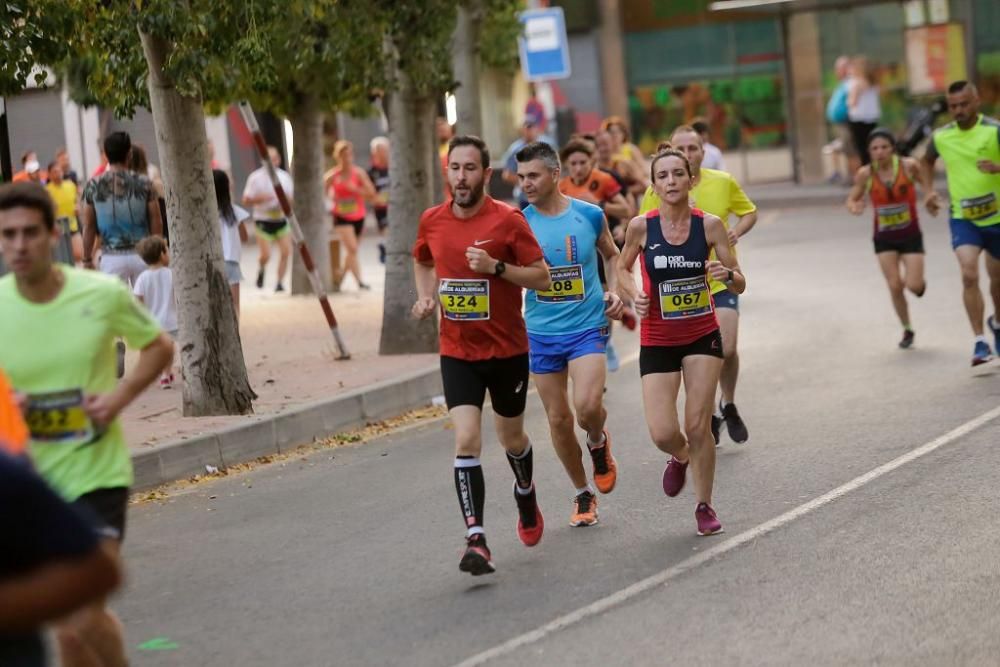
pixel 680 334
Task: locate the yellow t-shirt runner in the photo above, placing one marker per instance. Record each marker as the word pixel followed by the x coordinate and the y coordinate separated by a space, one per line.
pixel 64 195
pixel 56 371
pixel 717 193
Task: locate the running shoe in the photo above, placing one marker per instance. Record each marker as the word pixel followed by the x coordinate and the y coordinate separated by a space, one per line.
pixel 605 466
pixel 708 522
pixel 364 286
pixel 981 353
pixel 612 358
pixel 674 476
pixel 279 288
pixel 529 518
pixel 381 253
pixel 584 510
pixel 716 427
pixel 260 279
pixel 734 424
pixel 166 381
pixel 477 559
pixel 907 341
pixel 629 320
pixel 994 326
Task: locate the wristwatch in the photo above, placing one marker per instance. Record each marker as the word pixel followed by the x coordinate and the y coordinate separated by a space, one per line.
pixel 730 278
pixel 500 268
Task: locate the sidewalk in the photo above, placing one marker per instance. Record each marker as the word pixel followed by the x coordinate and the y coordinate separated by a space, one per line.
pixel 288 353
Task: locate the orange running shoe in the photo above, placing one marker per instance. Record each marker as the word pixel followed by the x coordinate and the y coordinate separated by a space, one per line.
pixel 605 466
pixel 584 510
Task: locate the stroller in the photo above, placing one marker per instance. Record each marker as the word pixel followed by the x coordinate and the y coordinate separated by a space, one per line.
pixel 920 127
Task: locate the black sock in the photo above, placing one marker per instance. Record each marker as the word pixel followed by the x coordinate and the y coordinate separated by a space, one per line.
pixel 471 489
pixel 522 467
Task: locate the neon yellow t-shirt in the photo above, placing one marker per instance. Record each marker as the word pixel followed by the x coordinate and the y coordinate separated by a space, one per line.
pixel 64 196
pixel 58 351
pixel 717 193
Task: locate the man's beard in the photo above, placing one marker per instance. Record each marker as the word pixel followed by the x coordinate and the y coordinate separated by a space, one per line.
pixel 472 198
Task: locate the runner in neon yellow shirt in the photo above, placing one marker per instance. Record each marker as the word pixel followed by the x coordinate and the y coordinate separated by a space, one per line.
pixel 718 193
pixel 67 384
pixel 970 147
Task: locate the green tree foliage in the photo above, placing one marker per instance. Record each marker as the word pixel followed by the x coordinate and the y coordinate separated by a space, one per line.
pixel 498 39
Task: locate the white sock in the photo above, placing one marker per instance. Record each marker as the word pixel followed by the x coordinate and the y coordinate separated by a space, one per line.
pixel 587 489
pixel 475 530
pixel 981 339
pixel 596 445
pixel 523 492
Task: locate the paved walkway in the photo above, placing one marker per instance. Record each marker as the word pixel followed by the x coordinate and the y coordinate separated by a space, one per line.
pixel 288 352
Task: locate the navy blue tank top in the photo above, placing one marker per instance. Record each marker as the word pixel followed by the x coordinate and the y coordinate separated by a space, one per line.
pixel 674 276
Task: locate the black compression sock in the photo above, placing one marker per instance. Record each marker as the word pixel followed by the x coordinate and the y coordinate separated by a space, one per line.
pixel 522 466
pixel 471 489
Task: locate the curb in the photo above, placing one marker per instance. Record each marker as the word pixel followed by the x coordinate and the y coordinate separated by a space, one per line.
pixel 283 432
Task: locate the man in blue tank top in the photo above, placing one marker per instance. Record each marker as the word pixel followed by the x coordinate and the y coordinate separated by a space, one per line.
pixel 568 324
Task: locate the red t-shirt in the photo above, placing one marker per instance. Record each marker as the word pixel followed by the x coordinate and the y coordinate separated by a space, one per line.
pixel 600 187
pixel 480 314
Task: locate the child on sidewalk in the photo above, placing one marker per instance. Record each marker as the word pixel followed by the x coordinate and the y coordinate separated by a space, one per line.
pixel 155 289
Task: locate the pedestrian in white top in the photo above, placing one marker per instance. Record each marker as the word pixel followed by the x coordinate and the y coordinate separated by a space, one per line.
pixel 863 106
pixel 234 234
pixel 272 227
pixel 155 288
pixel 713 156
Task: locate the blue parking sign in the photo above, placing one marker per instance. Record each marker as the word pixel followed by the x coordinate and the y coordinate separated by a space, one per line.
pixel 543 45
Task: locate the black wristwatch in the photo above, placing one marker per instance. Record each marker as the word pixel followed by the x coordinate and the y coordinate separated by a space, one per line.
pixel 499 269
pixel 730 278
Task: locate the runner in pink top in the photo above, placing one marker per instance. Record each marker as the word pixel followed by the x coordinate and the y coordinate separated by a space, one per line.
pixel 349 187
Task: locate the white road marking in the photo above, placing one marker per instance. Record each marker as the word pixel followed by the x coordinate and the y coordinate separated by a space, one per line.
pixel 661 578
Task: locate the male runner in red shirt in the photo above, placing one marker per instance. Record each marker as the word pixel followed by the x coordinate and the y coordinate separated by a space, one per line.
pixel 473 255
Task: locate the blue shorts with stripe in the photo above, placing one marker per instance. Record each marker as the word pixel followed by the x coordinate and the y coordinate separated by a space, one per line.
pixel 552 353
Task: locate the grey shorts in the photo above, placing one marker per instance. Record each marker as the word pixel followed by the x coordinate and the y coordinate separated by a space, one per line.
pixel 126 266
pixel 233 273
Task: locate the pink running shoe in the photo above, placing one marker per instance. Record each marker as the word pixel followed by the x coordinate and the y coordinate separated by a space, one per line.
pixel 673 477
pixel 708 522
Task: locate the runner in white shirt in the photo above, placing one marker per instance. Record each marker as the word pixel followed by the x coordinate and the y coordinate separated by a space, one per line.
pixel 268 216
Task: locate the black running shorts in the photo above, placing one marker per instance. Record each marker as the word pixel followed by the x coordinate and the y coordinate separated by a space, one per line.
pixel 466 383
pixel 914 244
pixel 669 358
pixel 107 507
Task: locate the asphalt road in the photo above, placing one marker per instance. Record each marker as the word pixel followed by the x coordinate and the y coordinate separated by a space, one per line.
pixel 350 556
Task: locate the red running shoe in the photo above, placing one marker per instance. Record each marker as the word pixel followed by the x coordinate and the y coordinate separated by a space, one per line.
pixel 529 518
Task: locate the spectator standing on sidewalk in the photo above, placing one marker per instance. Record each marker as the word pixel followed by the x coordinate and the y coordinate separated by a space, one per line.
pixel 65 195
pixel 234 233
pixel 863 106
pixel 121 206
pixel 378 172
pixel 139 163
pixel 837 116
pixel 155 290
pixel 31 170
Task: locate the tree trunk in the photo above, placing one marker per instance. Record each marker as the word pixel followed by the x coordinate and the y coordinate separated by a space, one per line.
pixel 215 376
pixel 465 61
pixel 411 121
pixel 307 174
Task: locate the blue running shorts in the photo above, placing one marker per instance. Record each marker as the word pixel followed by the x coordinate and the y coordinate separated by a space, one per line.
pixel 964 232
pixel 552 354
pixel 727 299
